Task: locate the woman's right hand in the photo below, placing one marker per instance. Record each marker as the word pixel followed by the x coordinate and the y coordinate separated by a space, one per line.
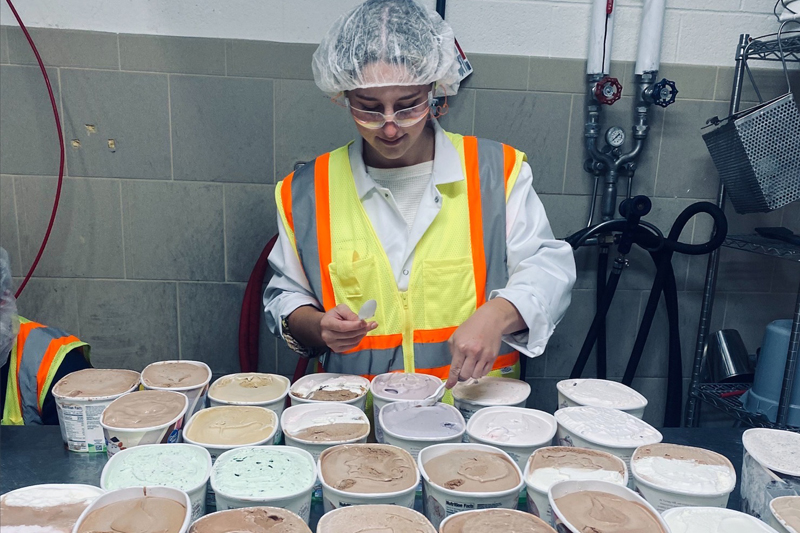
pixel 341 329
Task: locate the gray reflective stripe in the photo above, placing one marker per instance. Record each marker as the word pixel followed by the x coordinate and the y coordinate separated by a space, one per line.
pixel 304 213
pixel 431 355
pixel 35 347
pixel 493 208
pixel 365 362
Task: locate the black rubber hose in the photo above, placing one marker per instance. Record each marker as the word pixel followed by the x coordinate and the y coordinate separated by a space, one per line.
pixel 716 240
pixel 672 410
pixel 602 275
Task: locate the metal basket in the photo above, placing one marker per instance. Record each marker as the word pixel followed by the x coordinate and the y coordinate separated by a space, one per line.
pixel 757 155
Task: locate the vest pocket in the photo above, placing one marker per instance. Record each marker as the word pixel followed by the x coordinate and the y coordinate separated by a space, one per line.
pixel 355 281
pixel 448 290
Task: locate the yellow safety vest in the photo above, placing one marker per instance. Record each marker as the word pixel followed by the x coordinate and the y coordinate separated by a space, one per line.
pixel 35 357
pixel 460 259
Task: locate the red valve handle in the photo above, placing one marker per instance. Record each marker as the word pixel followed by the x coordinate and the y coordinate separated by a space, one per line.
pixel 608 90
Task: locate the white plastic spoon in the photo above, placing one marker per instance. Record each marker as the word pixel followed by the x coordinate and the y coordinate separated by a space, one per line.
pixel 367 310
pixel 433 398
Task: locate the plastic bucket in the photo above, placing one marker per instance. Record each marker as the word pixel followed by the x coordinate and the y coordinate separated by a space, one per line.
pixel 425 385
pixel 439 502
pixel 564 488
pixel 299 502
pixel 469 517
pixel 308 383
pixel 727 521
pixel 343 519
pixel 664 496
pixel 228 520
pixel 197 492
pixel 538 499
pixel 776 520
pixel 132 493
pixel 415 444
pixel 79 418
pixel 196 394
pixel 57 495
pixel 515 430
pixel 600 393
pixel 471 398
pixel 333 498
pixel 298 417
pixel 118 438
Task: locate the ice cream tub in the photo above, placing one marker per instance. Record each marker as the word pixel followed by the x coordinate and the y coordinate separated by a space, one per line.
pixel 471 396
pixel 143 417
pixel 414 427
pixel 515 430
pixel 496 520
pixel 275 476
pixel 784 514
pixel 161 509
pixel 251 520
pixel 600 393
pixel 184 467
pixel 581 506
pixel 451 473
pixel 190 378
pixel 252 389
pixel 399 387
pixel 375 518
pixel 553 464
pixel 712 520
pixel 326 387
pixel 604 429
pixel 669 475
pixel 48 508
pixel 315 427
pixel 360 474
pixel 81 398
pixel 223 428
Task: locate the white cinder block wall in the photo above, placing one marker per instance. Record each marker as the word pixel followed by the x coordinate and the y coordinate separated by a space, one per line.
pixel 699 32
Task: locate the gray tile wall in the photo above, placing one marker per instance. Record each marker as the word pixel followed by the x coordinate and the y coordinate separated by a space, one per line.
pixel 174 146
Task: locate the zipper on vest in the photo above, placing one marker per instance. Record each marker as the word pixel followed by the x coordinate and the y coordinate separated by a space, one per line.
pixel 408 335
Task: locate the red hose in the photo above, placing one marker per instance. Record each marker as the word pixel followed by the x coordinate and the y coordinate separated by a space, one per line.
pixel 61 153
pixel 250 318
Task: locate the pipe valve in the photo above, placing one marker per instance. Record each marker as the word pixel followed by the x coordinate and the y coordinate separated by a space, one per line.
pixel 663 93
pixel 607 90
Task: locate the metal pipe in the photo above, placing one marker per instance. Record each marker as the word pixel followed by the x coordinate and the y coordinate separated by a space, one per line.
pixel 440 7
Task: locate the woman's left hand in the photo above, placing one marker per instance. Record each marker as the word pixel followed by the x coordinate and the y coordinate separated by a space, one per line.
pixel 475 345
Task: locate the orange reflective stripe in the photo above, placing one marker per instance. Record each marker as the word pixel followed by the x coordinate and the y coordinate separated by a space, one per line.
pixel 286 198
pixel 434 335
pixel 24 330
pixel 502 361
pixel 378 342
pixel 509 160
pixel 323 201
pixel 44 367
pixel 475 218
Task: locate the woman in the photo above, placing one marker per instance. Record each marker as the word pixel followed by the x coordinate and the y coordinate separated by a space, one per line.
pixel 445 232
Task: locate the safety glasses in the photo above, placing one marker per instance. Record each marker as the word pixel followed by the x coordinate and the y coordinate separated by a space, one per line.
pixel 403 118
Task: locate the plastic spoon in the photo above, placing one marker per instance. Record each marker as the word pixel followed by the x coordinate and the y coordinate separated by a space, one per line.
pixel 367 310
pixel 433 398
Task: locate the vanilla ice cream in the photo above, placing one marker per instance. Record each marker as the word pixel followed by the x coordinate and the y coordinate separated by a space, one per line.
pixel 231 425
pixel 684 469
pixel 45 508
pixel 600 393
pixel 712 520
pixel 550 465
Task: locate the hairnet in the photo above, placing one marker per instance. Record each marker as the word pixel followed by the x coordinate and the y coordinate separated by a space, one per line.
pixel 414 45
pixel 9 321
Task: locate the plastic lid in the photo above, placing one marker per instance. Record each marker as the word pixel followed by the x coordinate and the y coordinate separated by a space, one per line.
pixel 607 427
pixel 775 449
pixel 601 393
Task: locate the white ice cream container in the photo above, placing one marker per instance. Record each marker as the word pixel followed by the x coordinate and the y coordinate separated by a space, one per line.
pixel 515 430
pixel 679 482
pixel 775 449
pixel 439 502
pixel 470 397
pixel 604 429
pixel 564 488
pixel 321 414
pixel 778 522
pixel 131 493
pixel 298 501
pixel 120 438
pixel 195 394
pixel 538 495
pixel 308 384
pixel 414 438
pixel 169 465
pixel 279 517
pixel 333 498
pixel 341 520
pixel 79 416
pixel 712 520
pixel 476 513
pixel 218 449
pixel 399 387
pixel 216 397
pixel 49 495
pixel 600 393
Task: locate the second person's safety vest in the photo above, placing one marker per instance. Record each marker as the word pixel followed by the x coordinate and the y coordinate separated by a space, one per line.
pixel 458 262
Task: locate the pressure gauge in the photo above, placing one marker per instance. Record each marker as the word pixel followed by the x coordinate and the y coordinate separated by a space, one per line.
pixel 615 136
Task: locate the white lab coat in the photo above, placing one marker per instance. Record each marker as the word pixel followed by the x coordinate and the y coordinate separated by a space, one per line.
pixel 541 269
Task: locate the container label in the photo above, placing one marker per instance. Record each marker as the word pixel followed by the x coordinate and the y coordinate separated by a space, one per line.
pixel 80 426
